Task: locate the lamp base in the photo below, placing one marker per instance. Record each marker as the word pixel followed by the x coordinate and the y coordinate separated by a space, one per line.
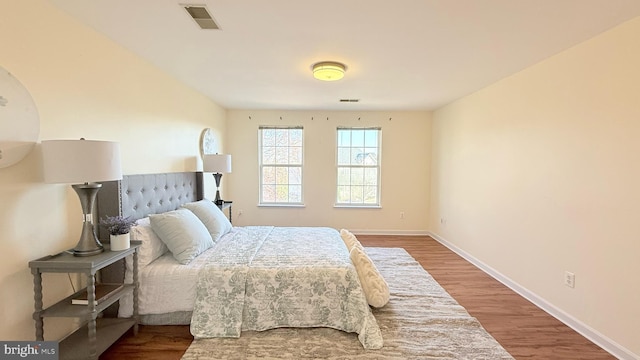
pixel 88 244
pixel 87 252
pixel 218 201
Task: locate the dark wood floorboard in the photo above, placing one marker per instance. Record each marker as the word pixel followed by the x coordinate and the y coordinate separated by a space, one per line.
pixel 522 328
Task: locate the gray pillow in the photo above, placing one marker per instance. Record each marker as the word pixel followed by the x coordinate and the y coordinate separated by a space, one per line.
pixel 183 233
pixel 211 216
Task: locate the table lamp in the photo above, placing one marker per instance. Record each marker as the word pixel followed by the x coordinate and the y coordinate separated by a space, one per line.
pixel 217 164
pixel 82 163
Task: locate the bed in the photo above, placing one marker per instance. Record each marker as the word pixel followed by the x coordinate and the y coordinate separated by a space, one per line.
pixel 227 279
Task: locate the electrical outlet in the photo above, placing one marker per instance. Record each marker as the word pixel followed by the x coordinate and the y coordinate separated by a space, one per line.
pixel 443 221
pixel 570 279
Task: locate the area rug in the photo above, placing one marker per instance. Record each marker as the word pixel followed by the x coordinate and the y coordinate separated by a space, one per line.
pixel 421 321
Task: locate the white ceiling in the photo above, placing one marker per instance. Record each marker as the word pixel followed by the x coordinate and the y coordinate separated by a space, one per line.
pixel 400 54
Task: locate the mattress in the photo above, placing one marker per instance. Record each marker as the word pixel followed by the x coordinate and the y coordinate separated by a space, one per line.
pixel 166 286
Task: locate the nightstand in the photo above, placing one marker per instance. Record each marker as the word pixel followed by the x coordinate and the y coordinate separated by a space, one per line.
pixel 97 333
pixel 226 205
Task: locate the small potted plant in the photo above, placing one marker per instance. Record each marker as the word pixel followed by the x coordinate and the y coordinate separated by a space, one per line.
pixel 119 227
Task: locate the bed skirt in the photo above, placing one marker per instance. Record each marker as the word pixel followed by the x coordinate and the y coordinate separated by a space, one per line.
pixel 174 318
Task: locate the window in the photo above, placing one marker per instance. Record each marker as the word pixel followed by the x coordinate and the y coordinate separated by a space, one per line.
pixel 358 162
pixel 280 165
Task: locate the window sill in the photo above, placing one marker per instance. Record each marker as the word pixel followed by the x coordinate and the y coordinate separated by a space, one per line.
pixel 346 206
pixel 283 205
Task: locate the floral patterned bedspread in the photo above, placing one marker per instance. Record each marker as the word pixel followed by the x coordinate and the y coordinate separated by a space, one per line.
pixel 267 277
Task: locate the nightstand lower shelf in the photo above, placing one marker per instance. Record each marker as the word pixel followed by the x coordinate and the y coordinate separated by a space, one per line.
pixel 109 330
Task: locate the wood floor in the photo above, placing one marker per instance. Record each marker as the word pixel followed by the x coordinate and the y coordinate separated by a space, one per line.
pixel 524 330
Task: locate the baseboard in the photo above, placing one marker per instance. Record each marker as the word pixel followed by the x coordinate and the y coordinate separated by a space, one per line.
pixel 391 232
pixel 597 338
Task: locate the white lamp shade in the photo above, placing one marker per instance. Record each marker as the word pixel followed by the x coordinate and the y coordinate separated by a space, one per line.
pixel 217 163
pixel 80 161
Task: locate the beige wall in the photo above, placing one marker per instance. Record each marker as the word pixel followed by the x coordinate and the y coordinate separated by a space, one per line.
pixel 405 170
pixel 539 174
pixel 84 86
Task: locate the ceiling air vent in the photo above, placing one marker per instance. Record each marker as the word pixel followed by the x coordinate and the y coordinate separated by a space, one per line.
pixel 201 16
pixel 349 100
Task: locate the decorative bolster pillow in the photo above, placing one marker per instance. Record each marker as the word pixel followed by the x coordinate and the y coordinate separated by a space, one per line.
pixel 376 289
pixel 349 239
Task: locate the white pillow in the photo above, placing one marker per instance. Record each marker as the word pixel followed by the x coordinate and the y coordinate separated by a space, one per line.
pixel 183 233
pixel 152 247
pixel 211 216
pixel 376 289
pixel 349 239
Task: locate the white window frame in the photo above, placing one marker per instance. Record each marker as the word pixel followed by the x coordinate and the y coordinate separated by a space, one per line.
pixel 340 185
pixel 264 166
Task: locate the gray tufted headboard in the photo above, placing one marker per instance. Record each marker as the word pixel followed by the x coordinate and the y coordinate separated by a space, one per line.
pixel 138 196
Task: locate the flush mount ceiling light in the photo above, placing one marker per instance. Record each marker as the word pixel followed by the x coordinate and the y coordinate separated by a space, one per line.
pixel 328 70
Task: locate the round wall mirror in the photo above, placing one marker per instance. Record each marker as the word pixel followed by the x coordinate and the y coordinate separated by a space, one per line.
pixel 207 142
pixel 19 121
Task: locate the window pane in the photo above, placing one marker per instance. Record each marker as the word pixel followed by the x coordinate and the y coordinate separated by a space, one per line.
pixel 357 157
pixel 295 137
pixel 269 155
pixel 371 156
pixel 282 193
pixel 295 193
pixel 282 137
pixel 268 193
pixel 357 176
pixel 357 138
pixel 356 194
pixel 268 137
pixel 344 176
pixel 344 156
pixel 282 155
pixel 295 155
pixel 344 194
pixel 344 137
pixel 282 175
pixel 371 138
pixel 295 175
pixel 370 194
pixel 268 175
pixel 371 176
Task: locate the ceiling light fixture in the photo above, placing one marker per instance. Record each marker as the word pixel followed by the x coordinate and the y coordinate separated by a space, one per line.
pixel 328 70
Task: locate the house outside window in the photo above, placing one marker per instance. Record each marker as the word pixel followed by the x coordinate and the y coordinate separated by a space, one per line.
pixel 358 166
pixel 281 155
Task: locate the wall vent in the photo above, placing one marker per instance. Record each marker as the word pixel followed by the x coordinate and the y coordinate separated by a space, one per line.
pixel 201 16
pixel 349 100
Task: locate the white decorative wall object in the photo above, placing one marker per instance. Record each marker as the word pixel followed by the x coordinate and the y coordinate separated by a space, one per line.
pixel 207 142
pixel 19 121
